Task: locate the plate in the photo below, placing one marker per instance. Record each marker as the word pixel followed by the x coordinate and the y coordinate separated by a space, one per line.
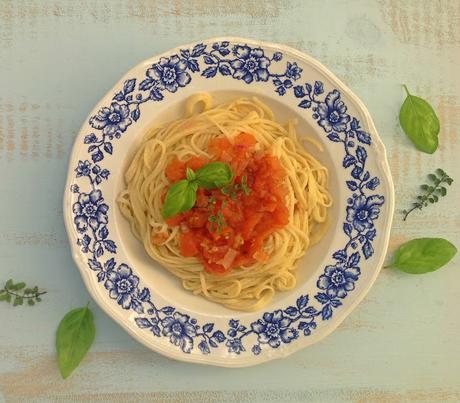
pixel 335 274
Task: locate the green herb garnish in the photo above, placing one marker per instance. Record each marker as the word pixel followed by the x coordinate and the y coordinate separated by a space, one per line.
pixel 423 255
pixel 232 190
pixel 74 337
pixel 214 175
pixel 181 195
pixel 420 123
pixel 217 222
pixel 18 293
pixel 431 192
pixel 244 186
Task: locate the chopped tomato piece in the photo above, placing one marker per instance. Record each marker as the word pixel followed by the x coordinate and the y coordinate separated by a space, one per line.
pixel 218 145
pixel 196 162
pixel 202 199
pixel 188 245
pixel 249 224
pixel 197 219
pixel 245 139
pixel 174 220
pixel 175 171
pixel 158 238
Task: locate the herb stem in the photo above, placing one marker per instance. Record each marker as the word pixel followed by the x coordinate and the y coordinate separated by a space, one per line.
pixel 410 211
pixel 407 91
pixel 35 295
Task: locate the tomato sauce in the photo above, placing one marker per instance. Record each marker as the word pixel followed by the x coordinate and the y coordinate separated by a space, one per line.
pixel 227 227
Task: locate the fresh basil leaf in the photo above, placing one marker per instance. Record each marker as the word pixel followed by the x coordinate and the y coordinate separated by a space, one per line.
pixel 74 337
pixel 423 255
pixel 180 197
pixel 420 123
pixel 214 175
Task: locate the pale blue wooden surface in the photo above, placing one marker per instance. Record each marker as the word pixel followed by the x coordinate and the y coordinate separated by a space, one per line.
pixel 57 58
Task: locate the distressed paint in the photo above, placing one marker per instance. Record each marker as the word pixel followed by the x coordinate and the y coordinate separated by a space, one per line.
pixel 399 345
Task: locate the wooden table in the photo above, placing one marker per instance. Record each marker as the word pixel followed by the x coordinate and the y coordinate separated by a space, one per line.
pixel 401 344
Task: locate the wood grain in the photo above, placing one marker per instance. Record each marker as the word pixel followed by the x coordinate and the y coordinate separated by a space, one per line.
pixel 399 345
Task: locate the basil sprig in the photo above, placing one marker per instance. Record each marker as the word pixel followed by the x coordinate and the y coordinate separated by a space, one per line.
pixel 423 255
pixel 74 337
pixel 181 195
pixel 419 121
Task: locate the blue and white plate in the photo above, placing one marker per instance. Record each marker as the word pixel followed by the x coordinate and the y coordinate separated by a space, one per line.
pixel 335 275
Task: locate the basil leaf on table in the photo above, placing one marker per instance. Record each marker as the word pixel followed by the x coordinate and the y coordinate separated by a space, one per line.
pixel 180 197
pixel 214 175
pixel 423 255
pixel 420 123
pixel 74 337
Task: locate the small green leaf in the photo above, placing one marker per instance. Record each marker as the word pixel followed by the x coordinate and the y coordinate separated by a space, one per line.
pixel 74 337
pixel 214 175
pixel 35 289
pixel 31 302
pixel 9 284
pixel 420 123
pixel 8 298
pixel 191 176
pixel 244 186
pixel 441 172
pixel 3 297
pixel 180 197
pixel 28 291
pixel 19 286
pixel 435 198
pixel 18 301
pixel 424 187
pixel 423 255
pixel 38 299
pixel 432 177
pixel 443 191
pixel 449 181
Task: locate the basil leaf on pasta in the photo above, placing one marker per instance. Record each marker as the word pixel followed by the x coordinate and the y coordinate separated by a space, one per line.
pixel 180 197
pixel 214 175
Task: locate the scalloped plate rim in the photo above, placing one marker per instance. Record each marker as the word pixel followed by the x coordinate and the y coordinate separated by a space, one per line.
pixel 227 360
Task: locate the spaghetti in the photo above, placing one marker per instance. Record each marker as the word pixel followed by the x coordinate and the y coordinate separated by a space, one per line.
pixel 249 287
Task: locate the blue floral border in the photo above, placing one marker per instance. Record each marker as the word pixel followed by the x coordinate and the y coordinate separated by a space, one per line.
pixel 251 65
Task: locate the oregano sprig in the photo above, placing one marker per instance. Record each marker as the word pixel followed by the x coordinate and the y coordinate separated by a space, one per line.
pixel 432 191
pixel 18 293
